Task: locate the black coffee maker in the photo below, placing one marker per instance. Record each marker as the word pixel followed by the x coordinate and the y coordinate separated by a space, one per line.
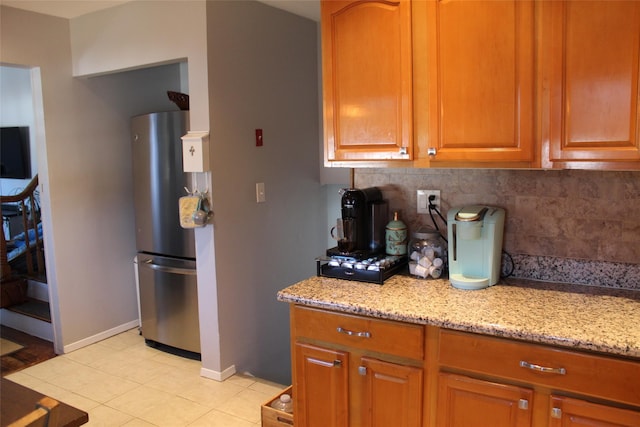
pixel 370 214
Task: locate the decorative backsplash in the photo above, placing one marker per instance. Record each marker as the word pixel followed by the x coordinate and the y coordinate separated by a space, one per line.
pixel 568 226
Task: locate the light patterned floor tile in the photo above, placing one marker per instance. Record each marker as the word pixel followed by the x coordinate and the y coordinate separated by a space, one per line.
pixel 94 384
pixel 136 422
pixel 217 418
pixel 177 411
pixel 58 366
pixel 121 381
pixel 267 387
pixel 245 405
pixel 91 353
pixel 139 400
pixel 210 393
pixel 103 416
pixel 124 340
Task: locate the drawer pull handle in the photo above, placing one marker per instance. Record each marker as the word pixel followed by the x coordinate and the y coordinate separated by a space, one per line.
pixel 327 364
pixel 534 367
pixel 354 334
pixel 556 413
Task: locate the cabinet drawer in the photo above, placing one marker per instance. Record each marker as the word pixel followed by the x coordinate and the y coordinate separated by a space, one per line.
pixel 588 374
pixel 383 336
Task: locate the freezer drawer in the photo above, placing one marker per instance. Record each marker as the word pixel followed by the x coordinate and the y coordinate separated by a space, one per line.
pixel 169 301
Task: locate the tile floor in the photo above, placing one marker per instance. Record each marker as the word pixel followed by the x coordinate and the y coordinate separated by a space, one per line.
pixel 122 382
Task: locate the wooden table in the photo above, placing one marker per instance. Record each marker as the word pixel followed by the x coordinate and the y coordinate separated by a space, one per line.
pixel 17 401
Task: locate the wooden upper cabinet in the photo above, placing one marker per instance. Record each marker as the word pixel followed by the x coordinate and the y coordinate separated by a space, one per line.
pixel 367 83
pixel 592 74
pixel 481 87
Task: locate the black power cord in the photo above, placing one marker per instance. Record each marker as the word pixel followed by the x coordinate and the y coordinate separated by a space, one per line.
pixel 432 207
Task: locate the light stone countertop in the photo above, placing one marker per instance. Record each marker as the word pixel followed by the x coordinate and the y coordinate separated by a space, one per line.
pixel 576 316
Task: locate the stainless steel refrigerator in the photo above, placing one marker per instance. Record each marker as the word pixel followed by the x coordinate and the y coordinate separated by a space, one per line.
pixel 167 282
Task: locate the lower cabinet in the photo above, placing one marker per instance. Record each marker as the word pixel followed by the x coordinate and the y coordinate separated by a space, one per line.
pixel 391 394
pixel 321 387
pixel 465 402
pixel 569 412
pixel 357 371
pixel 343 381
pixel 513 383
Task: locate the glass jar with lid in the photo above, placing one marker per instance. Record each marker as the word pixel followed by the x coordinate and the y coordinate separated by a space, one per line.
pixel 427 254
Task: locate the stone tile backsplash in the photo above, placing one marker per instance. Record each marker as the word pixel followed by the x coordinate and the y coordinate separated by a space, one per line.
pixel 561 225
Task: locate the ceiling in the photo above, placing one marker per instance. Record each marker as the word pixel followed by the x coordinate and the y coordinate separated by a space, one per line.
pixel 74 8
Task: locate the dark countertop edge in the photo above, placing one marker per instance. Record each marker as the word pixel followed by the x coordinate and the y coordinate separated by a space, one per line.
pixel 564 342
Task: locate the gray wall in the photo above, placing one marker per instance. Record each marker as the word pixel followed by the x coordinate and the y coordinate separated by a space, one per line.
pixel 263 74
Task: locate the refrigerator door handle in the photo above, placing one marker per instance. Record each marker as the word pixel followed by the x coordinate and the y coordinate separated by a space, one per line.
pixel 165 269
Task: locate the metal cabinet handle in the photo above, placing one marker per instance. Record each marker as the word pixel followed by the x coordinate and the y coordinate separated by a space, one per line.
pixel 523 404
pixel 354 334
pixel 332 364
pixel 403 151
pixel 556 413
pixel 431 151
pixel 534 367
pixel 177 270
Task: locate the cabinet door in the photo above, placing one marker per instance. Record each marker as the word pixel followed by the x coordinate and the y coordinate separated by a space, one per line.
pixel 366 65
pixel 321 387
pixel 481 80
pixel 568 412
pixel 592 73
pixel 468 402
pixel 391 394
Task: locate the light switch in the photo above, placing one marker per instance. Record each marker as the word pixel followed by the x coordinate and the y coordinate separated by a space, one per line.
pixel 260 195
pixel 195 152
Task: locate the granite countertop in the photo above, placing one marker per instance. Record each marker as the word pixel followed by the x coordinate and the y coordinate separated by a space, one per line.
pixel 576 316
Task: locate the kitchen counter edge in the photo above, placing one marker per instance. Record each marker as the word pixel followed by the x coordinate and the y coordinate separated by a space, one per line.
pixel 581 317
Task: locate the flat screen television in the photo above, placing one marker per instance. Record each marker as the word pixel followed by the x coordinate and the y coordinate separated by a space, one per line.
pixel 15 158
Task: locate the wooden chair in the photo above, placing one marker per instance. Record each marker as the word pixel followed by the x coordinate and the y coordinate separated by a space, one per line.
pixel 45 415
pixel 27 202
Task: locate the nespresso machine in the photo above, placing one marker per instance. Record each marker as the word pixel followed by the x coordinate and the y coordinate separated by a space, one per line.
pixel 369 213
pixel 475 246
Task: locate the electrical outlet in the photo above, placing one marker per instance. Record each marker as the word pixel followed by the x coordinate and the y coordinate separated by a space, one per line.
pixel 423 200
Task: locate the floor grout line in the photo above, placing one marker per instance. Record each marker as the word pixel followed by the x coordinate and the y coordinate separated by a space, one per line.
pixel 158 389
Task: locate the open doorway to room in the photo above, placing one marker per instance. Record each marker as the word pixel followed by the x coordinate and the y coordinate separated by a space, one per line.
pixel 25 289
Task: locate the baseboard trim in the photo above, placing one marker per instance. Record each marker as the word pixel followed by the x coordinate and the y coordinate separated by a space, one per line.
pixel 28 325
pixel 217 375
pixel 100 336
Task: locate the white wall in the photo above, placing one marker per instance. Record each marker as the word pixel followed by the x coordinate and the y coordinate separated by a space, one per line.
pixel 84 186
pixel 261 73
pixel 141 34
